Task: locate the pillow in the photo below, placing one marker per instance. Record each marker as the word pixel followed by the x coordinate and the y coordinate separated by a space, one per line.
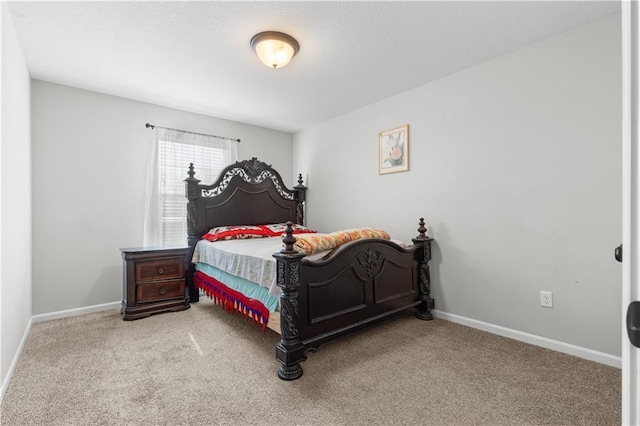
pixel 278 229
pixel 241 232
pixel 236 233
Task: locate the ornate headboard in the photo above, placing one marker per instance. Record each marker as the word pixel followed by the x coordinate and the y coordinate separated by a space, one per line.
pixel 248 192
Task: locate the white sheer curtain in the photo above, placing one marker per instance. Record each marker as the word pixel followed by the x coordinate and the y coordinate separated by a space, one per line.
pixel 165 223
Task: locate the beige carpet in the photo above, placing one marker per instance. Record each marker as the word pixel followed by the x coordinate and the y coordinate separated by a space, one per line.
pixel 205 367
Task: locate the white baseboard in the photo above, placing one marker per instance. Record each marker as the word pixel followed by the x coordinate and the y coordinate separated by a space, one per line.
pixel 591 355
pixel 76 311
pixel 14 361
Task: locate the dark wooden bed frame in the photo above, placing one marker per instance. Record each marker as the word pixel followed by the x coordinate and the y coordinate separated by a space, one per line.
pixel 356 286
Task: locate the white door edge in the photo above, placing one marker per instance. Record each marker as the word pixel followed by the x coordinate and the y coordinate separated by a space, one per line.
pixel 630 208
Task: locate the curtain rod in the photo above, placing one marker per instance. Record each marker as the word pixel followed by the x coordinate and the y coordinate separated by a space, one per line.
pixel 193 133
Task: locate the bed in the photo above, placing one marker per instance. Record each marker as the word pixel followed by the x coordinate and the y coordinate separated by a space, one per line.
pixel 322 297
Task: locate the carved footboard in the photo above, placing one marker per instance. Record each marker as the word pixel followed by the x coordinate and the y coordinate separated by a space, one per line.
pixel 362 284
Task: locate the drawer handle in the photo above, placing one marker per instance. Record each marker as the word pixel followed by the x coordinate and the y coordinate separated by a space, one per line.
pixel 163 290
pixel 160 271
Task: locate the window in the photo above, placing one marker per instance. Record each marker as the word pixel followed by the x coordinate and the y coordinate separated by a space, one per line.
pixel 166 212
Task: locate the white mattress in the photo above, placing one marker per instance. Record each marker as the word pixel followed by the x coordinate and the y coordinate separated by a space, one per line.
pixel 250 259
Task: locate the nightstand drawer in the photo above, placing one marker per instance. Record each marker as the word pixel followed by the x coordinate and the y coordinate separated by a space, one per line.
pixel 159 270
pixel 160 290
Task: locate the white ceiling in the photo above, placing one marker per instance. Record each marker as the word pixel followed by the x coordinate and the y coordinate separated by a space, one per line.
pixel 196 56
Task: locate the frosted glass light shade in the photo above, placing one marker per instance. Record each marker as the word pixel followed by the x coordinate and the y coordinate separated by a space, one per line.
pixel 274 49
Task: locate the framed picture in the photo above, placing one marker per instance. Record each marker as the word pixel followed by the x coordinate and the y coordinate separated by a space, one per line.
pixel 393 150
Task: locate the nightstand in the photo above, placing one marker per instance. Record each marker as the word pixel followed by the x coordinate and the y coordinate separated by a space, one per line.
pixel 154 281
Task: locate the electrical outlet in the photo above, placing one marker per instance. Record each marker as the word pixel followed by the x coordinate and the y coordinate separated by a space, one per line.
pixel 546 299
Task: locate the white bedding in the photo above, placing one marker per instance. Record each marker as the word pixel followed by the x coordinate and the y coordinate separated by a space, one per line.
pixel 251 259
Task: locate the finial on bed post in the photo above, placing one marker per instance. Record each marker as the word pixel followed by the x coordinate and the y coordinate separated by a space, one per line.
pixel 422 230
pixel 423 256
pixel 288 239
pixel 290 350
pixel 300 198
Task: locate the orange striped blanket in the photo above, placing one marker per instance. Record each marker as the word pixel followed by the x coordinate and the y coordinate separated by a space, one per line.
pixel 314 243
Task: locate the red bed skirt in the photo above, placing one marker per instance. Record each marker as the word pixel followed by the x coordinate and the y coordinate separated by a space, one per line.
pixel 232 300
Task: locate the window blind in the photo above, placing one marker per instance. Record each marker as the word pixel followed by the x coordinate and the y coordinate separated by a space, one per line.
pixel 173 161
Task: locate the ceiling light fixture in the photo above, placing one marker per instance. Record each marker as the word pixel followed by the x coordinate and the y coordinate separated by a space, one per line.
pixel 274 49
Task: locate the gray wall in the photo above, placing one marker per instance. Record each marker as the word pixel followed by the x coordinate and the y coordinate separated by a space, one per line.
pixel 90 156
pixel 516 166
pixel 15 197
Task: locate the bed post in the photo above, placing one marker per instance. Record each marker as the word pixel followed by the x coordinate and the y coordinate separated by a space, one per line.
pixel 300 198
pixel 424 280
pixel 289 351
pixel 193 193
